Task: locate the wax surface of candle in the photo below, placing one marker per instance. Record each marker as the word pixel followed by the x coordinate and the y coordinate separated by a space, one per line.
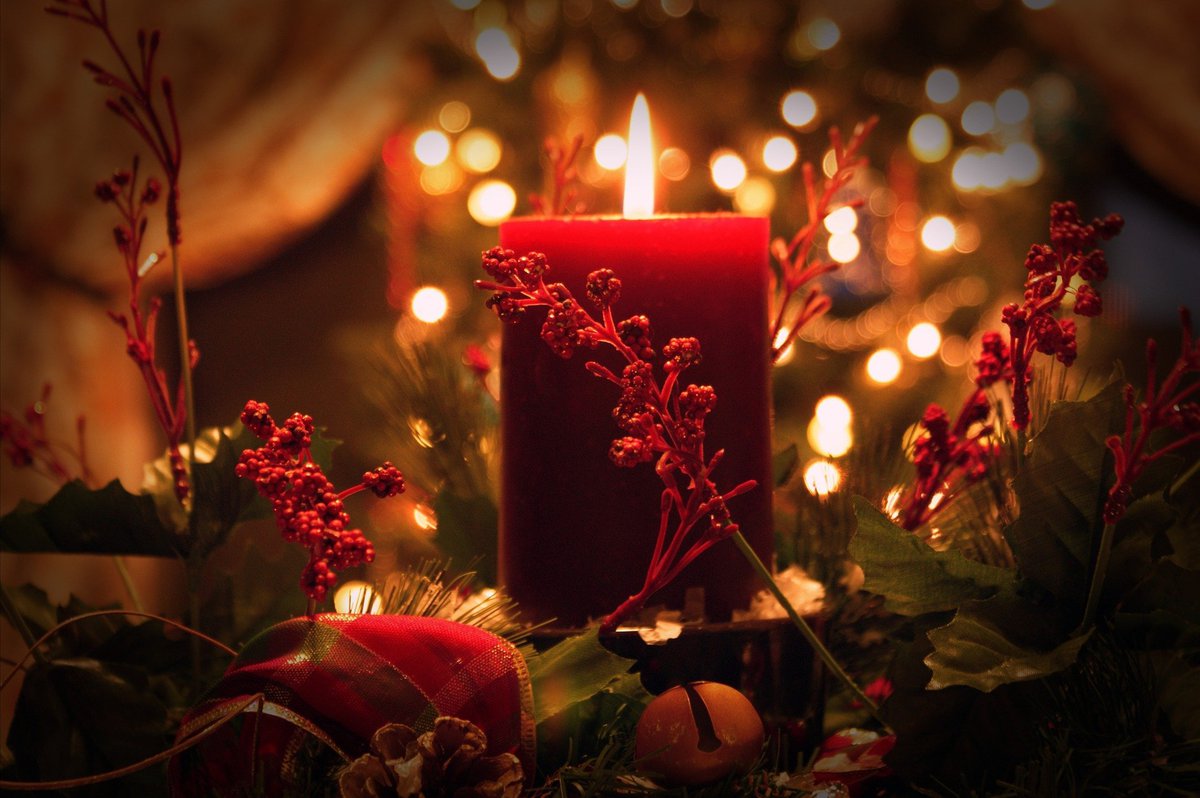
pixel 577 532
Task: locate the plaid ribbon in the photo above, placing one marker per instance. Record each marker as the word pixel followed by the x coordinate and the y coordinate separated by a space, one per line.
pixel 338 678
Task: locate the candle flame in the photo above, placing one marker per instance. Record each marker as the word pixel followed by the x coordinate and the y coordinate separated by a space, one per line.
pixel 639 164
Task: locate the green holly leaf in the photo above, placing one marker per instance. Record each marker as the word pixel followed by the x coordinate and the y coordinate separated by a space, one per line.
pixel 80 520
pixel 76 717
pixel 948 733
pixel 1060 490
pixel 572 671
pixel 977 649
pixel 914 578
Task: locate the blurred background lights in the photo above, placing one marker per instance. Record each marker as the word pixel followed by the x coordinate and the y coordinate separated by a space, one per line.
pixel 491 202
pixel 978 118
pixel 1038 5
pixel 966 237
pixel 779 153
pixel 829 440
pixel 842 221
pixel 967 172
pixel 424 517
pixel 755 196
pixel 500 57
pixel 676 8
pixel 883 366
pixel 432 147
pixel 823 33
pixel 923 340
pixel 833 411
pixel 444 178
pixel 993 171
pixel 356 597
pixel 674 163
pixel 1012 106
pixel 822 477
pixel 799 108
pixel 1022 162
pixel 929 138
pixel 937 234
pixel 942 85
pixel 728 171
pixel 844 247
pixel 429 304
pixel 478 150
pixel 610 151
pixel 454 116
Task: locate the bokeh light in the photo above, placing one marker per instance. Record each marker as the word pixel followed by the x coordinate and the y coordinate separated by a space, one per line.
pixel 789 351
pixel 755 196
pixel 728 171
pixel 822 477
pixel 941 86
pixel 1022 162
pixel 823 33
pixel 967 174
pixel 937 234
pixel 500 57
pixel 478 150
pixel 356 597
pixel 978 118
pixel 829 440
pixel 779 153
pixel 424 517
pixel 923 340
pixel 929 138
pixel 842 221
pixel 833 411
pixel 429 304
pixel 799 108
pixel 432 147
pixel 610 151
pixel 674 164
pixel 454 116
pixel 844 247
pixel 883 366
pixel 491 202
pixel 445 178
pixel 1012 106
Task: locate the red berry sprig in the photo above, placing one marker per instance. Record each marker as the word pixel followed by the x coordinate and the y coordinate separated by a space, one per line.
pixel 1164 405
pixel 307 507
pixel 1032 325
pixel 796 267
pixel 26 443
pixel 947 457
pixel 660 422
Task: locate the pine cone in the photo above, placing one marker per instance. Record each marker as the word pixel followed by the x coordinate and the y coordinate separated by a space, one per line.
pixel 447 762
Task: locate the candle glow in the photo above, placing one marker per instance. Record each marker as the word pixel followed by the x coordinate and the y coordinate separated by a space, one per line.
pixel 639 163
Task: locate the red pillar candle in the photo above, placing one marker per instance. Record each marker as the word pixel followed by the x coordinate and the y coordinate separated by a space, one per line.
pixel 577 532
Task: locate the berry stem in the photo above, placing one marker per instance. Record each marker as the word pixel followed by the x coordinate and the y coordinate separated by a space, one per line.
pixel 807 631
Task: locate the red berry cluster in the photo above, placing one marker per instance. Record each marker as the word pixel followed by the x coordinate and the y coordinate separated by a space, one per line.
pixel 659 420
pixel 1033 325
pixel 946 457
pixel 307 507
